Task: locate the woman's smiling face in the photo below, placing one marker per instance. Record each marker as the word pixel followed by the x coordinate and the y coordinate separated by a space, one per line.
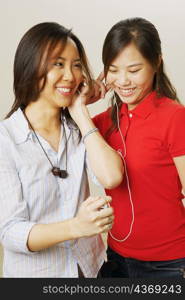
pixel 64 76
pixel 131 76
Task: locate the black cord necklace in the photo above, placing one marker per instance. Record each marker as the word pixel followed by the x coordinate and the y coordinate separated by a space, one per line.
pixel 55 170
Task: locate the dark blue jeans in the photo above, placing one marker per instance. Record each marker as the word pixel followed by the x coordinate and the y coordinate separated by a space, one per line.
pixel 119 266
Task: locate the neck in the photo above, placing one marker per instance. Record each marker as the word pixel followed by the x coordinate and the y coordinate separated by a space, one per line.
pixel 43 117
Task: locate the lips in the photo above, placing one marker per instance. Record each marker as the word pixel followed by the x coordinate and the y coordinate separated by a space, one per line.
pixel 65 90
pixel 126 92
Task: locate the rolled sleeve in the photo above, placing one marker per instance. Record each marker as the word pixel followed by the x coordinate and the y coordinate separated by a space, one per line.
pixel 15 235
pixel 14 218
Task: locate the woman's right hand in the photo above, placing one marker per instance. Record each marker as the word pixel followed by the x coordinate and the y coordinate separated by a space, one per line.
pixel 99 89
pixel 95 216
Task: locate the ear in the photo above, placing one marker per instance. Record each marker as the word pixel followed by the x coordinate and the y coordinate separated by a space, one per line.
pixel 159 61
pixel 81 86
pixel 83 81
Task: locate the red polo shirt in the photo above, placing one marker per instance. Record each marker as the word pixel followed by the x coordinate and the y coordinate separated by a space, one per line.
pixel 154 133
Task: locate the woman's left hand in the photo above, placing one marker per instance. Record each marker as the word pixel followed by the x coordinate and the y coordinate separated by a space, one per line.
pixel 85 96
pixel 99 89
pixel 78 104
pixel 89 95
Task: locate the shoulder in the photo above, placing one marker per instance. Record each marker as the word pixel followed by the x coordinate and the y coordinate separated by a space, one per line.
pixel 172 120
pixel 5 126
pixel 5 138
pixel 170 110
pixel 8 128
pixel 169 105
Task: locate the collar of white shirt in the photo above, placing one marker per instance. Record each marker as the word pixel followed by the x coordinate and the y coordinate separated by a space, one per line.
pixel 22 132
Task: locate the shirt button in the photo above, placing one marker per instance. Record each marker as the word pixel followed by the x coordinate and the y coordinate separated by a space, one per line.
pixel 130 115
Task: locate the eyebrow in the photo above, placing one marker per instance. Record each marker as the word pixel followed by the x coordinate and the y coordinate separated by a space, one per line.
pixel 135 65
pixel 129 66
pixel 60 57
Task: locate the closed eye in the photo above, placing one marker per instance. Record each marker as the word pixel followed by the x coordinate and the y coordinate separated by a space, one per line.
pixel 134 71
pixel 112 71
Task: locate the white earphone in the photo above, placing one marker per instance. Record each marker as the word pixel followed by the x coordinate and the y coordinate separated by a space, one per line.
pixel 127 178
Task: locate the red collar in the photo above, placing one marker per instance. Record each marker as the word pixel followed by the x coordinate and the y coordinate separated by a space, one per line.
pixel 143 109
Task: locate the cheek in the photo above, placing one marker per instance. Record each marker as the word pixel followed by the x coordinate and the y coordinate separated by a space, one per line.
pixel 51 79
pixel 148 82
pixel 79 77
pixel 110 78
pixel 145 79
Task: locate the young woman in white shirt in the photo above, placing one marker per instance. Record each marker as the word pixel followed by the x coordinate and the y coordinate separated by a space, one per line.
pixel 49 225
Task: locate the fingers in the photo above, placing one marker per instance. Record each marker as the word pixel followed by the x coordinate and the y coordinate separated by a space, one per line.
pixel 107 221
pixel 104 217
pixel 101 76
pixel 97 92
pixel 102 89
pixel 100 208
pixel 97 203
pixel 105 224
pixel 103 86
pixel 108 87
pixel 92 218
pixel 84 89
pixel 107 228
pixel 105 213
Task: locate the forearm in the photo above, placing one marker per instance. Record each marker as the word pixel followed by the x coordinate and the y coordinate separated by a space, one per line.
pixel 44 236
pixel 105 162
pixel 90 220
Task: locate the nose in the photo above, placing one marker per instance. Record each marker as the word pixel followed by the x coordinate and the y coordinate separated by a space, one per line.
pixel 68 74
pixel 122 79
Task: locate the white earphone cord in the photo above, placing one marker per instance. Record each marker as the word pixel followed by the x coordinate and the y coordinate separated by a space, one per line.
pixel 127 179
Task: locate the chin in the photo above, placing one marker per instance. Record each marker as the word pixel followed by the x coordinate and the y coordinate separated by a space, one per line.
pixel 65 103
pixel 128 100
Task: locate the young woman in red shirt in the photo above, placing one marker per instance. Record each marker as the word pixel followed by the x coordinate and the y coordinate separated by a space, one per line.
pixel 146 125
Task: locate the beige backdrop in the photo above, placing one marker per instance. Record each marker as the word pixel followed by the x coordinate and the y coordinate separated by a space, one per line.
pixel 91 20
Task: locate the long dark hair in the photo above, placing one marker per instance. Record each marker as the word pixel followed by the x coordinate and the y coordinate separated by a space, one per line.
pixel 31 63
pixel 145 37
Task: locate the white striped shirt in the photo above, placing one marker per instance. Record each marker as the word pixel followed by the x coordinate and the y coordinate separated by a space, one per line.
pixel 30 194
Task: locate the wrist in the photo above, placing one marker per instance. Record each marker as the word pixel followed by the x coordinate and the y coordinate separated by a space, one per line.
pixel 82 110
pixel 85 124
pixel 88 133
pixel 81 115
pixel 74 228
